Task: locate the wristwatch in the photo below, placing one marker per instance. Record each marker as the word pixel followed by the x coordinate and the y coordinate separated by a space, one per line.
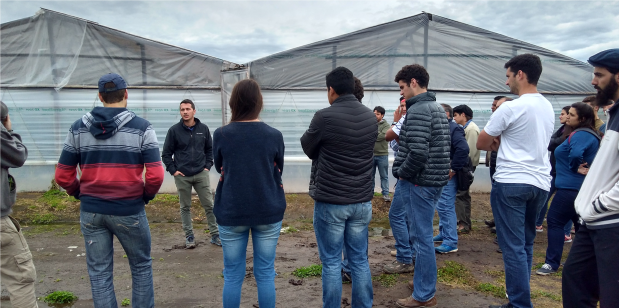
pixel 394 123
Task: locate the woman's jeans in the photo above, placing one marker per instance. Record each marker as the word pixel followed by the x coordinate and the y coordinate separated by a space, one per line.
pixel 542 213
pixel 234 242
pixel 561 211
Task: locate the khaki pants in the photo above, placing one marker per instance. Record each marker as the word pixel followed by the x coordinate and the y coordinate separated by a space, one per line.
pixel 201 183
pixel 17 268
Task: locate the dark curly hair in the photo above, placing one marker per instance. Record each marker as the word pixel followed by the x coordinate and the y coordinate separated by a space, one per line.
pixel 529 64
pixel 414 71
pixel 358 89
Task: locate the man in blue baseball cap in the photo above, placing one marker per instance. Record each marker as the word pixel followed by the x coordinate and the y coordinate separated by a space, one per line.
pixel 113 146
pixel 591 272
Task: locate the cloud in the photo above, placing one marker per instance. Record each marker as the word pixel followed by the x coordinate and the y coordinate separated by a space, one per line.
pixel 240 31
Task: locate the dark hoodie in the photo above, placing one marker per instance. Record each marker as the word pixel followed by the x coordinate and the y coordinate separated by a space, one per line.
pixel 112 147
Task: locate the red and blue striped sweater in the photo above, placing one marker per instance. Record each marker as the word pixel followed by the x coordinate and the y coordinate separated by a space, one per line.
pixel 112 146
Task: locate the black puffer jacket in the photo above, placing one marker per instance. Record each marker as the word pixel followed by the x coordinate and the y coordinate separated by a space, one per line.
pixel 423 157
pixel 340 141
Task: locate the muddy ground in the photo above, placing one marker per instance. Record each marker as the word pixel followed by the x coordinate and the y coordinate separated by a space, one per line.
pixel 472 277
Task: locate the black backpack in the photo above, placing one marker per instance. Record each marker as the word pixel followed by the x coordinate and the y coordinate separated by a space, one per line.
pixel 466 175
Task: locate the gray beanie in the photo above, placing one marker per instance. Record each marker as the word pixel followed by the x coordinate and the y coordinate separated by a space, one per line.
pixel 4 111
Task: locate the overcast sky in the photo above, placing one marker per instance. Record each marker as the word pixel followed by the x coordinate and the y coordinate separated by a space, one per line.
pixel 241 31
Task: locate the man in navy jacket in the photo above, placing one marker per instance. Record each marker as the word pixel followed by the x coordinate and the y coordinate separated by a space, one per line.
pixel 459 154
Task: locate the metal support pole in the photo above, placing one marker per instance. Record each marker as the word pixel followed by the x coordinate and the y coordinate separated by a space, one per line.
pixel 334 58
pixel 425 44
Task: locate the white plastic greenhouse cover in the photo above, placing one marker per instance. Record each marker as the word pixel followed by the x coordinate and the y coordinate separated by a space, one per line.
pixel 49 84
pixel 51 49
pixel 458 57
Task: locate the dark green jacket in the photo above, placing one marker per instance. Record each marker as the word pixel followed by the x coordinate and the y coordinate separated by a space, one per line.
pixel 380 147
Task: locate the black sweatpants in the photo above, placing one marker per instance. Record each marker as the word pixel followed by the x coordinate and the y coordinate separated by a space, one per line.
pixel 591 272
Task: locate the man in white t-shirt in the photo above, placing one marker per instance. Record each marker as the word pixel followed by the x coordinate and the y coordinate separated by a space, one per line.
pixel 520 130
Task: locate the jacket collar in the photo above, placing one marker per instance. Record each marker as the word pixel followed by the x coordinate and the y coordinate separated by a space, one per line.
pixel 345 98
pixel 196 120
pixel 426 96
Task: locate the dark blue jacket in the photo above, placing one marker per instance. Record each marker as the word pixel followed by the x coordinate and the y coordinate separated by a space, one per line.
pixel 581 147
pixel 459 153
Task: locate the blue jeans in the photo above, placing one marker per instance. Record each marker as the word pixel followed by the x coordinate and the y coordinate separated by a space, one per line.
pixel 561 211
pixel 133 233
pixel 234 243
pixel 340 227
pixel 567 229
pixel 446 208
pixel 382 162
pixel 400 224
pixel 515 208
pixel 420 202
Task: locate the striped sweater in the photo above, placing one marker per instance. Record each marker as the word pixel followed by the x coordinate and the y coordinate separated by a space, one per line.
pixel 112 147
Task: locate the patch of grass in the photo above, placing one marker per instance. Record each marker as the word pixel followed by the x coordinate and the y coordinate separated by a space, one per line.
pixel 387 280
pixel 43 219
pixel 454 273
pixel 166 198
pixel 314 270
pixel 289 229
pixel 60 297
pixel 492 289
pixel 125 302
pixel 552 296
pixel 537 266
pixel 376 194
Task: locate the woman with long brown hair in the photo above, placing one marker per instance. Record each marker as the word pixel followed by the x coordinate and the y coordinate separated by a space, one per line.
pixel 573 157
pixel 249 155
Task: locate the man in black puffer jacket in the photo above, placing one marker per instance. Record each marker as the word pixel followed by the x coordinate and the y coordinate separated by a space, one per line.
pixel 340 143
pixel 422 165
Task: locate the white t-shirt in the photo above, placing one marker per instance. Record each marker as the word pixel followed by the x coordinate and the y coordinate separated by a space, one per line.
pixel 525 126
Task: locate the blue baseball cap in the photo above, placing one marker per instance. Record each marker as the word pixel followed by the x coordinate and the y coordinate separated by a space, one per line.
pixel 111 77
pixel 607 58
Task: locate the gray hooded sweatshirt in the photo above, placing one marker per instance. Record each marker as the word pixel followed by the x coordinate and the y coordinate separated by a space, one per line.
pixel 14 155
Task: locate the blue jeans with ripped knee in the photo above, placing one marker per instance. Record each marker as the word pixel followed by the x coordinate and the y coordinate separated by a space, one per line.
pixel 133 233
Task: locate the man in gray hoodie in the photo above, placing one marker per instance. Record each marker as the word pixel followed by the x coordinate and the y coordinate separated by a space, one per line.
pixel 16 266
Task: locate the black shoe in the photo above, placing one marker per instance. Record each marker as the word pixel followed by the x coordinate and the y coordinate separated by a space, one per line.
pixel 346 277
pixel 501 306
pixel 493 230
pixel 489 223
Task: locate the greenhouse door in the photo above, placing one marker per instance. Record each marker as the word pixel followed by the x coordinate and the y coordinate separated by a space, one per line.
pixel 228 80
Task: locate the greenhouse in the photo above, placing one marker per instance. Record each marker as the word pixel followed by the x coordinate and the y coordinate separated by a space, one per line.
pixel 51 62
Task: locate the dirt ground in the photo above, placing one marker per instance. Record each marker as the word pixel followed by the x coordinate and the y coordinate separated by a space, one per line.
pixel 472 277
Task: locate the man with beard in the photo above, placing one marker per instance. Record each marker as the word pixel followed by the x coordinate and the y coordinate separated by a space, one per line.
pixel 591 272
pixel 522 129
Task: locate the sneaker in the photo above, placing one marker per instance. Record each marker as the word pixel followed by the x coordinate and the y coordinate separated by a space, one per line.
pixel 215 240
pixel 445 249
pixel 499 250
pixel 496 241
pixel 539 228
pixel 493 230
pixel 410 302
pixel 489 223
pixel 437 239
pixel 394 253
pixel 386 198
pixel 398 268
pixel 568 238
pixel 546 269
pixel 346 277
pixel 189 242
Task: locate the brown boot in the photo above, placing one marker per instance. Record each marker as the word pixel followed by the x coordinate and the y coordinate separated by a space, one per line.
pixel 410 302
pixel 411 285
